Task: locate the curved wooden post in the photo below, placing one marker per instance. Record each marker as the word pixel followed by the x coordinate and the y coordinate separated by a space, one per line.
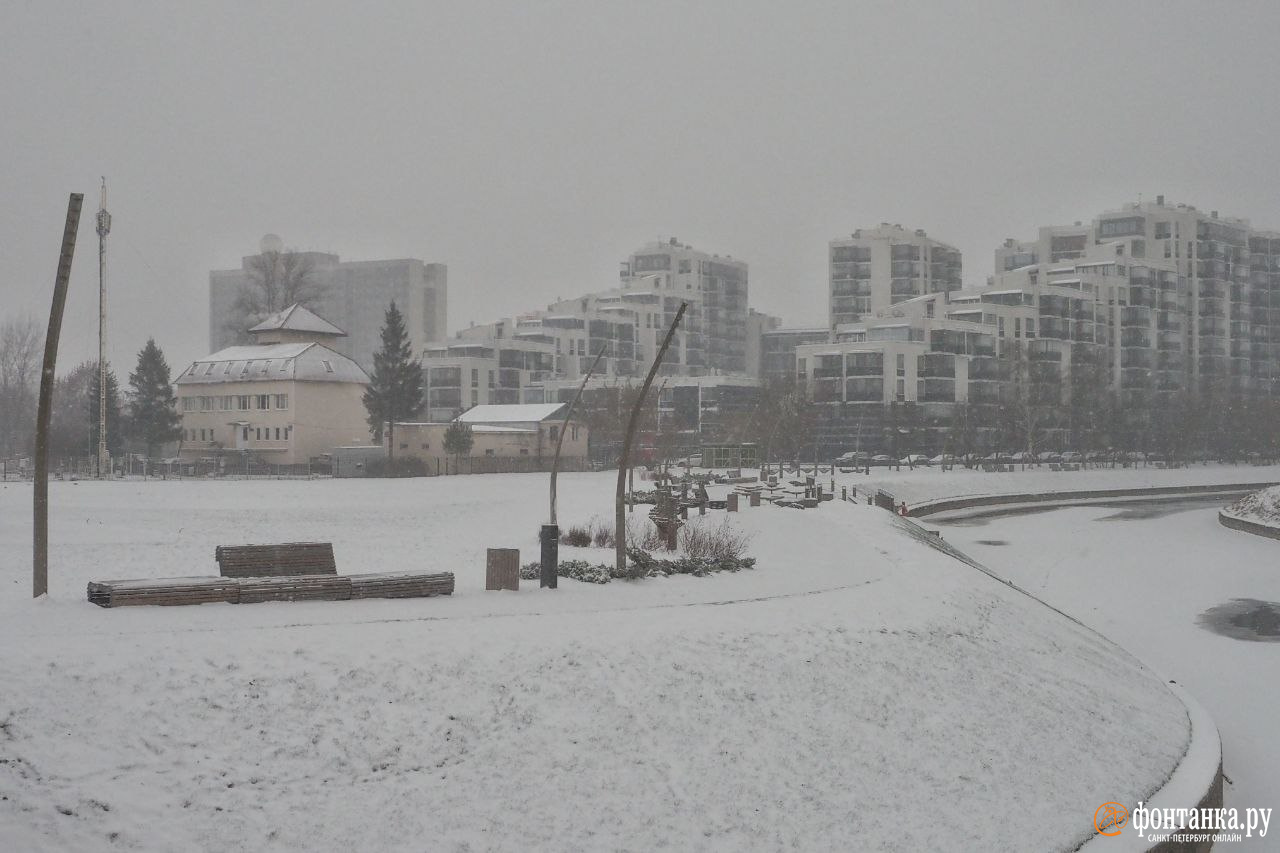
pixel 620 515
pixel 555 463
pixel 40 500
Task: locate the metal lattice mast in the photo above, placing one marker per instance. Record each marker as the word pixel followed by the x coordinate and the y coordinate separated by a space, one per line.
pixel 104 228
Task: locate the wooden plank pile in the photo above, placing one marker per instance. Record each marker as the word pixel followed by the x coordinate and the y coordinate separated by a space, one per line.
pixel 164 591
pixel 295 588
pixel 401 585
pixel 284 559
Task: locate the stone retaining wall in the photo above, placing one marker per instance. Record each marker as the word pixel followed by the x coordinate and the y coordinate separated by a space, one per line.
pixel 1257 528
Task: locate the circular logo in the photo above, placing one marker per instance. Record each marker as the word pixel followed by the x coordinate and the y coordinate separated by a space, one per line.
pixel 1110 818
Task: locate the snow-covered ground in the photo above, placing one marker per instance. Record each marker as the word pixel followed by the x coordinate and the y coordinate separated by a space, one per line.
pixel 1142 575
pixel 857 690
pixel 1262 507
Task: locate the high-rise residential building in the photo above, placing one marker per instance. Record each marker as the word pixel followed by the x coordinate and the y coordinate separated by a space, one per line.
pixel 718 334
pixel 1216 301
pixel 354 295
pixel 878 267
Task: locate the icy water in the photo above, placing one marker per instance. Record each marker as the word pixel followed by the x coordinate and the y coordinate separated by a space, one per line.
pixel 1196 601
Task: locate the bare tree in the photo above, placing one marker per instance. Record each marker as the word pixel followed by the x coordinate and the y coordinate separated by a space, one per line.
pixel 276 281
pixel 21 348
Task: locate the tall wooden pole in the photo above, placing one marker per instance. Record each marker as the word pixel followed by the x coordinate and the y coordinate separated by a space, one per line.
pixel 624 461
pixel 555 463
pixel 40 561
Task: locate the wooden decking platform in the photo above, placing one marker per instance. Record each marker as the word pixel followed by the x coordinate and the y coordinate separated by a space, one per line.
pixel 321 587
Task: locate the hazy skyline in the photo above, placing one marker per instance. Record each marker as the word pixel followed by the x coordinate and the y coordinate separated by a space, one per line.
pixel 532 150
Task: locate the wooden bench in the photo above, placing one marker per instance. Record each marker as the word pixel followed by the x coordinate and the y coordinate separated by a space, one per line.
pixel 164 591
pixel 294 588
pixel 401 585
pixel 273 561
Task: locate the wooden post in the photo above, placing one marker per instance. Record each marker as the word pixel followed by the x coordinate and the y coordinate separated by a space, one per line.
pixel 731 503
pixel 555 463
pixel 624 461
pixel 755 499
pixel 40 500
pixel 502 568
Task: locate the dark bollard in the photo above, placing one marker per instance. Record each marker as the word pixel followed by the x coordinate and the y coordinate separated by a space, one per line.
pixel 684 511
pixel 731 502
pixel 702 508
pixel 844 493
pixel 755 499
pixel 550 537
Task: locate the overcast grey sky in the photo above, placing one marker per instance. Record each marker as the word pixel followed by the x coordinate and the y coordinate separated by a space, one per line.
pixel 532 146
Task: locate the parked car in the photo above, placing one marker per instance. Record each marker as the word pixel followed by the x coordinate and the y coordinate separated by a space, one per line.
pixel 943 459
pixel 881 459
pixel 1070 457
pixel 1023 458
pixel 915 459
pixel 1050 456
pixel 854 458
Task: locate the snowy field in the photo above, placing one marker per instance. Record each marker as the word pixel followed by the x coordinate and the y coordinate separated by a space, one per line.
pixel 1142 575
pixel 857 690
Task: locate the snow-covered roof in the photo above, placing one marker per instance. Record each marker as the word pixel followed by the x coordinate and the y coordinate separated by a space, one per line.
pixel 516 413
pixel 295 318
pixel 296 362
pixel 491 428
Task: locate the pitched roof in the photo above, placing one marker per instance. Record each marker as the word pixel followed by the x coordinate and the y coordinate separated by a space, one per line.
pixel 295 318
pixel 511 414
pixel 299 362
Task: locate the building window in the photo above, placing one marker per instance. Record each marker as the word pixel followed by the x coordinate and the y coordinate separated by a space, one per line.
pixel 328 368
pixel 475 377
pixel 573 432
pixel 246 433
pixel 243 403
pixel 524 451
pixel 257 434
pixel 902 364
pixel 264 401
pixel 404 445
pixel 282 401
pixel 188 404
pixel 426 446
pixel 226 369
pixel 277 433
pixel 555 433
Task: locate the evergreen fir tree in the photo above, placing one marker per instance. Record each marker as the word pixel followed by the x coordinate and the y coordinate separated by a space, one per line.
pixel 153 407
pixel 115 437
pixel 395 389
pixel 458 439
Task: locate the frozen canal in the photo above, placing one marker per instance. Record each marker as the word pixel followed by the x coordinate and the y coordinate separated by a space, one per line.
pixel 1144 574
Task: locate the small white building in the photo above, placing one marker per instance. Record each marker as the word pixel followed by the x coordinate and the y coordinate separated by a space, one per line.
pixel 286 399
pixel 518 437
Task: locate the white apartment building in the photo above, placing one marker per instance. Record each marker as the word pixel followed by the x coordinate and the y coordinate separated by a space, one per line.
pixel 878 267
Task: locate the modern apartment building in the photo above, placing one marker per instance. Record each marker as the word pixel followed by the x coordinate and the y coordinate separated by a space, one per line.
pixel 878 267
pixel 353 294
pixel 778 350
pixel 719 330
pixel 1215 300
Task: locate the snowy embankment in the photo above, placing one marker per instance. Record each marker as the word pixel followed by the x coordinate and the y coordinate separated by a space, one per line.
pixel 928 484
pixel 857 690
pixel 1258 513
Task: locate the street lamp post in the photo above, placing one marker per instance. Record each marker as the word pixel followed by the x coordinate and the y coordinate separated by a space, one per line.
pixel 104 228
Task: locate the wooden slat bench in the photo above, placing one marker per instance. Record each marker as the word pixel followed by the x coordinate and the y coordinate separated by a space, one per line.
pixel 295 588
pixel 282 560
pixel 164 591
pixel 401 585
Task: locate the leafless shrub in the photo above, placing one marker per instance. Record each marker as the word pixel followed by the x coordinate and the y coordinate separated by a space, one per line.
pixel 713 542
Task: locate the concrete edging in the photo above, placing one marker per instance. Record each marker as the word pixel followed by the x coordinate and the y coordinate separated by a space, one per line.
pixel 945 504
pixel 1257 528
